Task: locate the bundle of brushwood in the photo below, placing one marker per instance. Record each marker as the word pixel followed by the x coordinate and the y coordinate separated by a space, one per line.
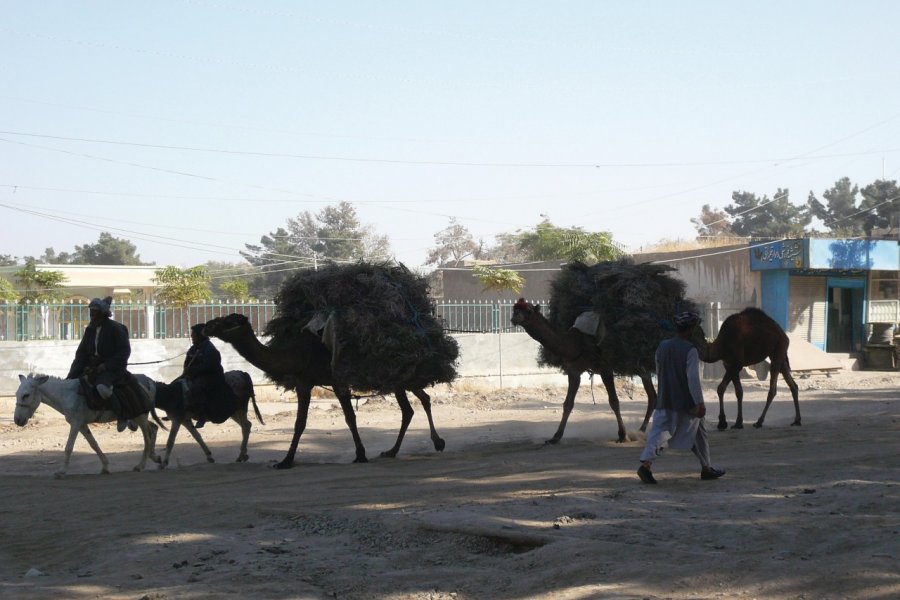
pixel 377 321
pixel 635 302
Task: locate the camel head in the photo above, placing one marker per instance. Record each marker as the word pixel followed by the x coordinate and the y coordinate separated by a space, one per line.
pixel 228 328
pixel 524 312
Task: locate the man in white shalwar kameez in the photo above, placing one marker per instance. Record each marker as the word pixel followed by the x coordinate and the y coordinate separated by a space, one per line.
pixel 678 421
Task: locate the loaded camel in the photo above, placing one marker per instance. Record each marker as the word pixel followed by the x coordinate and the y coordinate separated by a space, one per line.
pixel 170 398
pixel 578 352
pixel 307 365
pixel 745 339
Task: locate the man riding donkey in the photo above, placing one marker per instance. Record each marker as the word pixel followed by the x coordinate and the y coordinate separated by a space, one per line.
pixel 101 363
pixel 208 396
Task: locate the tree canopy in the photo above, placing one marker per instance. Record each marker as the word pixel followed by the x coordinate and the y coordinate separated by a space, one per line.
pixel 181 287
pixel 334 234
pixel 767 218
pixel 495 279
pixel 39 286
pixel 712 223
pixel 453 244
pixel 107 250
pixel 8 291
pixel 549 242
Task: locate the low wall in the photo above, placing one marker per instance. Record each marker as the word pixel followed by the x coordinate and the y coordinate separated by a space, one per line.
pixel 488 360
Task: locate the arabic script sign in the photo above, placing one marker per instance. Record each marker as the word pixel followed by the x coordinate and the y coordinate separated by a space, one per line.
pixel 786 254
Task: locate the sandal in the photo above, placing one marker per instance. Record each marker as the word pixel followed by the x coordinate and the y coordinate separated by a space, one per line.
pixel 646 475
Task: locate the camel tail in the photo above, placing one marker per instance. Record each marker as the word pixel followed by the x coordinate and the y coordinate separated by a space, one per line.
pixel 249 383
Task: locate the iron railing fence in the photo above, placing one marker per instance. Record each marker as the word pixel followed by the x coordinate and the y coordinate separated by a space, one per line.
pixel 66 321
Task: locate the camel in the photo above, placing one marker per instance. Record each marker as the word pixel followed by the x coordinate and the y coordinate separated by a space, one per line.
pixel 745 339
pixel 306 366
pixel 578 352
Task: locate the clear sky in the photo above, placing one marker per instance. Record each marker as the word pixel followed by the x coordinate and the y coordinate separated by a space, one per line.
pixel 192 127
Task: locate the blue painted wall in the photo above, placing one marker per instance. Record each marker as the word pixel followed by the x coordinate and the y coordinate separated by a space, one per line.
pixel 775 288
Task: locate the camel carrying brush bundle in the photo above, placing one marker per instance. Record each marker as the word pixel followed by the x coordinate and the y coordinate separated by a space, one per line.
pixel 377 320
pixel 635 303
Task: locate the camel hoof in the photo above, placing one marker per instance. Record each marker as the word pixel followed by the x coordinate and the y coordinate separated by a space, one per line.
pixel 722 426
pixel 737 426
pixel 796 423
pixel 284 465
pixel 162 465
pixel 757 425
pixel 210 459
pixel 439 444
pixel 389 454
pixel 361 459
pixel 242 458
pixel 552 441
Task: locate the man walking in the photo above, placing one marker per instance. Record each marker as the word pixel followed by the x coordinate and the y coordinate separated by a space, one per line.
pixel 678 421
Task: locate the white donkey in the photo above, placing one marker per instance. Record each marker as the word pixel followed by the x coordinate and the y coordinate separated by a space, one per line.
pixel 62 395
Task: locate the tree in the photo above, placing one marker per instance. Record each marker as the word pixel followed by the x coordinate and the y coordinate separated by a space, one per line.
pixel 764 218
pixel 496 279
pixel 237 289
pixel 39 286
pixel 8 260
pixel 108 250
pixel 453 244
pixel 8 292
pixel 181 287
pixel 549 242
pixel 712 223
pixel 333 234
pixel 840 214
pixel 222 273
pixel 50 257
pixel 881 200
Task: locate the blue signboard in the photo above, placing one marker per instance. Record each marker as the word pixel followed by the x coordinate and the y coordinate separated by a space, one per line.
pixel 867 255
pixel 783 254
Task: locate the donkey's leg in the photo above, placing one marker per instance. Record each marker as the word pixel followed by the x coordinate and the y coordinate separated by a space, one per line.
pixel 170 440
pixel 189 425
pixel 304 396
pixel 144 425
pixel 425 399
pixel 92 442
pixel 568 405
pixel 240 417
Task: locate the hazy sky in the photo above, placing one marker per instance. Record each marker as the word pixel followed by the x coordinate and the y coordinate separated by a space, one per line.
pixel 193 127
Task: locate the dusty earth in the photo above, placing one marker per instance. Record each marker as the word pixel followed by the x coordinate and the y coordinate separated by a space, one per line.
pixel 804 512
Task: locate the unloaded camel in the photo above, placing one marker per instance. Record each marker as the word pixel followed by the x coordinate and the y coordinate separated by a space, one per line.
pixel 307 365
pixel 745 339
pixel 578 352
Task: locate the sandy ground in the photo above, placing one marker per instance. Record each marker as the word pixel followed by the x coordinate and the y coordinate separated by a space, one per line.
pixel 809 512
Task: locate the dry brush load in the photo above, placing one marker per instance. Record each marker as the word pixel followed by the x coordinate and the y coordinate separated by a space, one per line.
pixel 635 302
pixel 377 320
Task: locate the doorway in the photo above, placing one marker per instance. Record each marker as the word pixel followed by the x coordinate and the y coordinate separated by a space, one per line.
pixel 844 329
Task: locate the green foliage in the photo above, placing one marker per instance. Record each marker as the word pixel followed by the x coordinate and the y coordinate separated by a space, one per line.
pixel 840 214
pixel 108 250
pixel 8 291
pixel 712 223
pixel 495 279
pixel 765 218
pixel 881 200
pixel 334 234
pixel 549 242
pixel 453 245
pixel 39 286
pixel 7 260
pixel 181 287
pixel 237 289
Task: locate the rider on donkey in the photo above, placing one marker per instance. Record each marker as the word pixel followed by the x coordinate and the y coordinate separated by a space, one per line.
pixel 209 395
pixel 102 355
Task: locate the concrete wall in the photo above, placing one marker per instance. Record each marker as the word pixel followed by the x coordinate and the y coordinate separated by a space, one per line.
pixel 490 360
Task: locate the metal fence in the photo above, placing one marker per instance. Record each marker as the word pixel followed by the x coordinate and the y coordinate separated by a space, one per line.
pixel 66 321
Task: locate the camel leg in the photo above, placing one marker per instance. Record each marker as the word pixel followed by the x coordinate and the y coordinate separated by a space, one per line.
pixel 240 417
pixel 739 392
pixel 304 396
pixel 651 399
pixel 406 415
pixel 425 399
pixel 720 392
pixel 609 381
pixel 350 418
pixel 568 405
pixel 789 380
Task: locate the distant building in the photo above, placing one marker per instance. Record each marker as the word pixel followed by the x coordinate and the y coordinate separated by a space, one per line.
pixel 83 282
